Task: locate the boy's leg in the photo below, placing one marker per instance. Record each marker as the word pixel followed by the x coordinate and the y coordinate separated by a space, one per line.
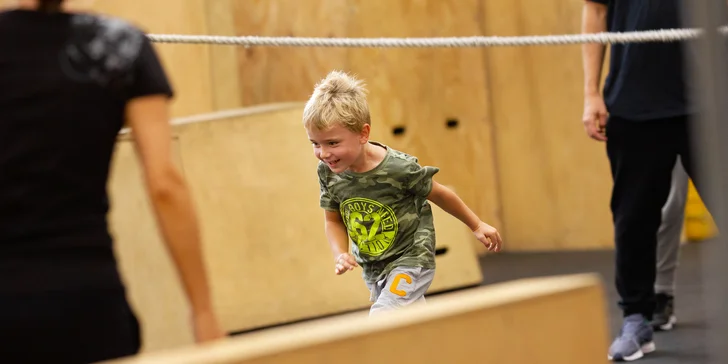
pixel 668 249
pixel 403 286
pixel 642 156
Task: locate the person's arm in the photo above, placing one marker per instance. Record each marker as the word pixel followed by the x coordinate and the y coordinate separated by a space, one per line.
pixel 338 241
pixel 148 117
pixel 451 203
pixel 593 20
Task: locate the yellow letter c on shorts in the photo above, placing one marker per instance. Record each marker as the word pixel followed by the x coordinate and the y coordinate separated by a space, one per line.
pixel 395 283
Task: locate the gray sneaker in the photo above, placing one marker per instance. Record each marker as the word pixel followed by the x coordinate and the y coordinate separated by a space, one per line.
pixel 634 340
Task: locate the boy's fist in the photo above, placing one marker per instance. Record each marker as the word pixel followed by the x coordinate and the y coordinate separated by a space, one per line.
pixel 345 262
pixel 489 236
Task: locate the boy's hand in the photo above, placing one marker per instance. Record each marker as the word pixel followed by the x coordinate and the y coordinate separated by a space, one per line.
pixel 345 262
pixel 489 236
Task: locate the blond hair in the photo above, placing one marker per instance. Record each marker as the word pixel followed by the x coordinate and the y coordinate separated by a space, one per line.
pixel 337 99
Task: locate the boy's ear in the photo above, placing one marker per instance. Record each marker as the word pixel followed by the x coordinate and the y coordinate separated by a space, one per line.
pixel 364 135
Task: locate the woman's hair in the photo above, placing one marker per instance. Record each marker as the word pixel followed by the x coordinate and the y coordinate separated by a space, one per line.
pixel 49 6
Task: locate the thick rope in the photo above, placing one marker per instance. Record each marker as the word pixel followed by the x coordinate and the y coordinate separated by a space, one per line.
pixel 661 35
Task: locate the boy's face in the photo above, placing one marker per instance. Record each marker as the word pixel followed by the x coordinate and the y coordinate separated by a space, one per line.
pixel 338 146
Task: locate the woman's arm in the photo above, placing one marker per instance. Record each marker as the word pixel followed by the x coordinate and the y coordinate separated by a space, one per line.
pixel 148 117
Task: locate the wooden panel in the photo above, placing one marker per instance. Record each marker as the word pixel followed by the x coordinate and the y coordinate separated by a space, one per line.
pixel 419 89
pixel 154 287
pixel 555 182
pixel 255 186
pixel 223 59
pixel 519 158
pixel 270 74
pixel 263 228
pixel 512 322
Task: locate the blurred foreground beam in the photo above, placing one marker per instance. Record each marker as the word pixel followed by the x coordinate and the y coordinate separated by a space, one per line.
pixel 707 62
pixel 545 320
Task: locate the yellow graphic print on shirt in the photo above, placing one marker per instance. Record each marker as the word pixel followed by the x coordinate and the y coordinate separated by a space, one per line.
pixel 371 225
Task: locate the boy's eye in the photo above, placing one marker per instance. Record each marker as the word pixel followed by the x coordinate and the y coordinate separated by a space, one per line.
pixel 333 143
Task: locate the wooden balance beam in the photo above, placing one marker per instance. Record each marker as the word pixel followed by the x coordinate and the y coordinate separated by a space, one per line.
pixel 546 320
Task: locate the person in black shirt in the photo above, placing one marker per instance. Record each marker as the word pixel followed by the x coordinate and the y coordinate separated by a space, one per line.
pixel 68 83
pixel 642 116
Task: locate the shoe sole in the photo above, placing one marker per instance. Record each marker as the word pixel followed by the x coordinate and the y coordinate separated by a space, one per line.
pixel 645 349
pixel 668 326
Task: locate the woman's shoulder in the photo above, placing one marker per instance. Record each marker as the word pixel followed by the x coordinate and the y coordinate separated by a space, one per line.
pixel 104 48
pixel 105 25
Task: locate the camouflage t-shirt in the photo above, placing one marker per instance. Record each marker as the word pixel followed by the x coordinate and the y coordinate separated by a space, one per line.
pixel 386 212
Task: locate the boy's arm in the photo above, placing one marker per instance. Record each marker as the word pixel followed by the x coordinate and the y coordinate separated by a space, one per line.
pixel 449 201
pixel 334 227
pixel 148 117
pixel 339 241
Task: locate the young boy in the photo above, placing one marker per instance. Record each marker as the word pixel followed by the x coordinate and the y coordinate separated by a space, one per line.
pixel 378 197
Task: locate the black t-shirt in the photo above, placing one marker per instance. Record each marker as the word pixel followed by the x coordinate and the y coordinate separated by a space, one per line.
pixel 646 80
pixel 65 80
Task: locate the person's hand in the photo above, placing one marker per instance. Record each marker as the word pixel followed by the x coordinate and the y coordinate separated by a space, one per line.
pixel 595 117
pixel 489 236
pixel 205 327
pixel 345 262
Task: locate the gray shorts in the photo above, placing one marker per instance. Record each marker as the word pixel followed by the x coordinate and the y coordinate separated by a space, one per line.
pixel 401 287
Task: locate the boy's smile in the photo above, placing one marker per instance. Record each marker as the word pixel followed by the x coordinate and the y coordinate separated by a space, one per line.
pixel 338 147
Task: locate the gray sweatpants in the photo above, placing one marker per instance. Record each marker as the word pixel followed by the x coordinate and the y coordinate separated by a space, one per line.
pixel 401 287
pixel 668 235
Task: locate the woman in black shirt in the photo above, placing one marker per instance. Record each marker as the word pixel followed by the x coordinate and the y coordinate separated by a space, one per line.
pixel 68 83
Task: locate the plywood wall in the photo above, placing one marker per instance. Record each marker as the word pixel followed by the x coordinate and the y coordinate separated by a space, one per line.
pixel 417 89
pixel 555 181
pixel 519 156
